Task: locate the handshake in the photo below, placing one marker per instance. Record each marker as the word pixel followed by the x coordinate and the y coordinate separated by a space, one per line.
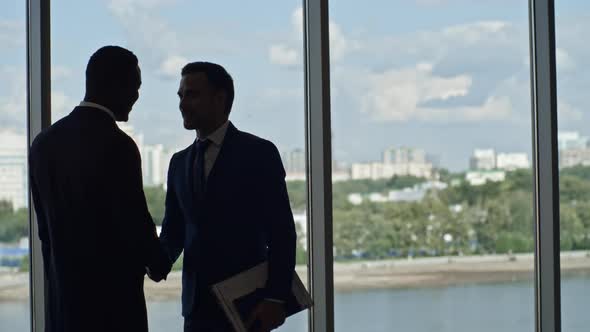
pixel 159 264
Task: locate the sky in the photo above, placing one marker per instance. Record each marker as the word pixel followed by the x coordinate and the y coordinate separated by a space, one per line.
pixel 445 76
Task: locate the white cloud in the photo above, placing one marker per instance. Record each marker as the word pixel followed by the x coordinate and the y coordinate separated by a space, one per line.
pixel 12 33
pixel 147 31
pixel 281 94
pixel 289 55
pixel 61 105
pixel 564 60
pixel 567 112
pixel 400 95
pixel 456 81
pixel 497 108
pixel 477 31
pixel 340 44
pixel 283 55
pixel 171 66
pixel 131 7
pixel 59 72
pixel 430 2
pixel 297 22
pixel 13 139
pixel 13 103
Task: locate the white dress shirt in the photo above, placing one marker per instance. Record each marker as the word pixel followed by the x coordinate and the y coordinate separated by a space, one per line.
pixel 97 106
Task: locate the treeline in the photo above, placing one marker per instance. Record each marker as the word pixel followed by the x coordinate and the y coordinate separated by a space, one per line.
pixel 496 217
pixel 13 224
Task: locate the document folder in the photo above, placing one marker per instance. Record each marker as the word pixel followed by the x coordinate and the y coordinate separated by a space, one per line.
pixel 239 295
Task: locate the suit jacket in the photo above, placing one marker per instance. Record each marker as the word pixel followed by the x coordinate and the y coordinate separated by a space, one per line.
pixel 243 218
pixel 96 232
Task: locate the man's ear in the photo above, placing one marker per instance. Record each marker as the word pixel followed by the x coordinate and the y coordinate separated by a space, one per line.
pixel 221 98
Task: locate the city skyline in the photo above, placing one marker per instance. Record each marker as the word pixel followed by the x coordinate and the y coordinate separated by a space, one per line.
pixel 17 141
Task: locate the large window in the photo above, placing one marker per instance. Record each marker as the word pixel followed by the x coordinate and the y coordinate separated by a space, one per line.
pixel 14 218
pixel 261 47
pixel 432 172
pixel 574 161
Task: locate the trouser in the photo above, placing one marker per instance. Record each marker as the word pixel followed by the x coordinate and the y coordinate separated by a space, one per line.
pixel 208 317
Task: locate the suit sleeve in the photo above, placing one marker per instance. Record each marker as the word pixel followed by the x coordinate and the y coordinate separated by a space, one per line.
pixel 133 206
pixel 280 225
pixel 39 211
pixel 172 236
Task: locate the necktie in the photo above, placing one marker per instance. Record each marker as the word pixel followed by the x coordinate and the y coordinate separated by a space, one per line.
pixel 199 166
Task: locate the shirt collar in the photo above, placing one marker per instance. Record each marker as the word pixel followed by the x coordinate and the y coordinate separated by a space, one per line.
pixel 218 135
pixel 97 106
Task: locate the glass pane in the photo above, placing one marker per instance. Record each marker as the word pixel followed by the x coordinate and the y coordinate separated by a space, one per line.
pixel 432 179
pixel 574 162
pixel 260 45
pixel 14 197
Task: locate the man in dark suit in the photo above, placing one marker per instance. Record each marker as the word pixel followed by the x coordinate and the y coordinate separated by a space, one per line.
pixel 226 206
pixel 97 235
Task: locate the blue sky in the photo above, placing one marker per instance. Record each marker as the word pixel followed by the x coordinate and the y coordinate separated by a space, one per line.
pixel 446 76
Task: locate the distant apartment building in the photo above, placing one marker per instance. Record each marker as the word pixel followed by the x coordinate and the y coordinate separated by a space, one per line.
pixel 477 178
pixel 512 161
pixel 574 157
pixel 294 163
pixel 300 219
pixel 488 160
pixel 13 169
pixel 567 140
pixel 154 164
pixel 410 194
pixel 396 161
pixel 361 171
pixel 433 159
pixel 404 155
pixel 130 131
pixel 574 149
pixel 339 175
pixel 154 158
pixel 483 159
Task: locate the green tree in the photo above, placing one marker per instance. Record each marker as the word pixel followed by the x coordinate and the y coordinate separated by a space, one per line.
pixel 521 179
pixel 297 191
pixel 25 265
pixel 156 199
pixel 13 225
pixel 572 232
pixel 513 243
pixel 573 188
pixel 400 182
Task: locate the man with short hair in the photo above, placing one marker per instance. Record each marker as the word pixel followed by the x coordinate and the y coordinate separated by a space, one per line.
pixel 96 233
pixel 227 206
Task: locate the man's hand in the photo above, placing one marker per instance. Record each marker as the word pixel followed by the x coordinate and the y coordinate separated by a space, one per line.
pixel 266 316
pixel 159 266
pixel 157 277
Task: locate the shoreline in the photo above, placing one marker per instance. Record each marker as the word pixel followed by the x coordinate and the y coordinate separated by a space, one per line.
pixel 374 275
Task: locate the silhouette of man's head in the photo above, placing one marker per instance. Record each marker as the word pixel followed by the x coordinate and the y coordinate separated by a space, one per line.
pixel 206 95
pixel 113 79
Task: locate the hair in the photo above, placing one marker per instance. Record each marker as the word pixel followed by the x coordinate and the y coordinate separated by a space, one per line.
pixel 107 66
pixel 217 76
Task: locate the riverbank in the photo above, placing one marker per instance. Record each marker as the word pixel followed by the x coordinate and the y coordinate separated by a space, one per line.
pixel 398 273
